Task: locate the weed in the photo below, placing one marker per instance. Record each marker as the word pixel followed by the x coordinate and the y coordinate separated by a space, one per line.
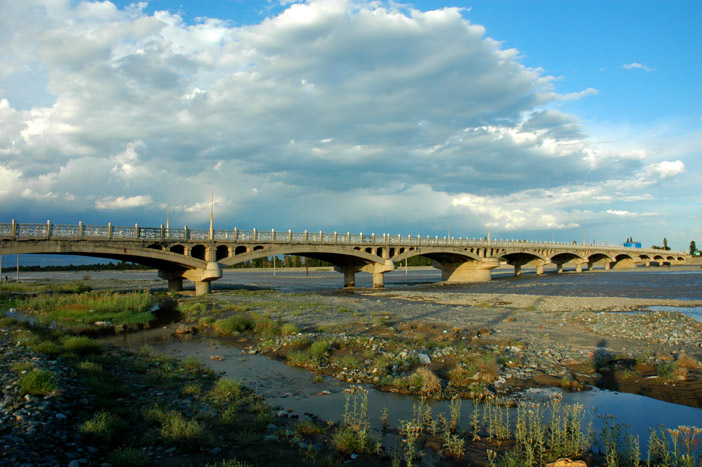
pixel 175 428
pixel 319 349
pixel 104 427
pixel 192 363
pixel 354 436
pixel 426 382
pixel 22 367
pixel 289 329
pixel 81 345
pixel 233 325
pixel 227 390
pixel 307 428
pixel 89 367
pixel 38 383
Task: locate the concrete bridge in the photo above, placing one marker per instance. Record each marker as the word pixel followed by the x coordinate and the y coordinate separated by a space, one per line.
pixel 199 255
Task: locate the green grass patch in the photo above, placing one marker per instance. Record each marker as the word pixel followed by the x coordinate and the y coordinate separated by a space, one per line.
pixel 81 345
pixel 129 309
pixel 37 383
pixel 175 428
pixel 233 325
pixel 104 427
pixel 227 390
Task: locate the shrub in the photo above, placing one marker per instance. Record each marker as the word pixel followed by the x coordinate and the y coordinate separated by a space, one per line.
pixel 91 368
pixel 82 345
pixel 288 329
pixel 266 327
pixel 46 347
pixel 187 433
pixel 426 381
pixel 227 389
pixel 38 383
pixel 348 440
pixel 319 349
pixel 233 324
pixel 104 427
pixel 299 357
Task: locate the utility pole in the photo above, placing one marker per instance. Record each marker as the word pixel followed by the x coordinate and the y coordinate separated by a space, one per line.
pixel 17 280
pixel 212 218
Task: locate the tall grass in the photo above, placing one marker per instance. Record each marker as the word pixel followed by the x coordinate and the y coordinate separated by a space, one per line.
pixel 91 307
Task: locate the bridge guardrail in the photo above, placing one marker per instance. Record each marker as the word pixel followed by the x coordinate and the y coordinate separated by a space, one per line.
pixel 109 232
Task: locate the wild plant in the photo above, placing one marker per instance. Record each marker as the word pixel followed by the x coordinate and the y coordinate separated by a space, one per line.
pixel 385 419
pixel 455 410
pixel 475 420
pixel 354 435
pixel 453 446
pixel 410 431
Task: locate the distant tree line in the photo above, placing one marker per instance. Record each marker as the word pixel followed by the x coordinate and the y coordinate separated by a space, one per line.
pixel 287 261
pixel 121 266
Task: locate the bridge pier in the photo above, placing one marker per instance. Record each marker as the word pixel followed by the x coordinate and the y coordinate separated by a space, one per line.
pixel 578 267
pixel 378 280
pixel 469 271
pixel 540 269
pixel 203 287
pixel 559 268
pixel 517 269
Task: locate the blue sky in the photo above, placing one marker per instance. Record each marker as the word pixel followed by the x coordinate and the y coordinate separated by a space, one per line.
pixel 538 120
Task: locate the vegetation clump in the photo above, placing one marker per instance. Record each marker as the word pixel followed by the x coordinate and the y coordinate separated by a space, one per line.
pixel 38 383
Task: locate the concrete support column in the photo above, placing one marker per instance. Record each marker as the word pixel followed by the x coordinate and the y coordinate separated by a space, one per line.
pixel 203 287
pixel 175 285
pixel 559 268
pixel 578 267
pixel 607 265
pixel 648 263
pixel 378 280
pixel 517 269
pixel 349 278
pixel 539 269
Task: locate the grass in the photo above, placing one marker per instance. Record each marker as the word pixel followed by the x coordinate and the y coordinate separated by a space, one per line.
pixel 233 325
pixel 92 308
pixel 104 428
pixel 177 429
pixel 38 383
pixel 81 345
pixel 227 390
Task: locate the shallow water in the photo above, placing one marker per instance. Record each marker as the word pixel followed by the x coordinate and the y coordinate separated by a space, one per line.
pixel 694 312
pixel 294 390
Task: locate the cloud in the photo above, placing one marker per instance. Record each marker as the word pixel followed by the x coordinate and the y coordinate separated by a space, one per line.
pixel 580 95
pixel 667 169
pixel 346 114
pixel 122 202
pixel 637 66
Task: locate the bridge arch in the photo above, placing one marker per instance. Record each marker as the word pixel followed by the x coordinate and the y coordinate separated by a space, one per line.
pixel 144 255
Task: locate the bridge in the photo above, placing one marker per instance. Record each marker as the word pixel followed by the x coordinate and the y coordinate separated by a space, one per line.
pixel 200 255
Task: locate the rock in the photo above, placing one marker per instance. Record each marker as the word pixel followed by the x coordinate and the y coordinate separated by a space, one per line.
pixel 565 462
pixel 424 358
pixel 60 416
pixel 74 463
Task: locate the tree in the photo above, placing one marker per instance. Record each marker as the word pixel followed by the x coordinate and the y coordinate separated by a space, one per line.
pixel 693 248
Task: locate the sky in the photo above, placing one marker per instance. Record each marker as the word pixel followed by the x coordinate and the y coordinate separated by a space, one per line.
pixel 541 120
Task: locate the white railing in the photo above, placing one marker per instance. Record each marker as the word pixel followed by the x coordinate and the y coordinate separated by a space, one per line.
pixel 17 230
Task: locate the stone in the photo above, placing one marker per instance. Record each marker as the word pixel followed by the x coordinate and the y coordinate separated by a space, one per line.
pixel 565 462
pixel 424 358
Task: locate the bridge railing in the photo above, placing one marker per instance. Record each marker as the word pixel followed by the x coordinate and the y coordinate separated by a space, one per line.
pixel 109 232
